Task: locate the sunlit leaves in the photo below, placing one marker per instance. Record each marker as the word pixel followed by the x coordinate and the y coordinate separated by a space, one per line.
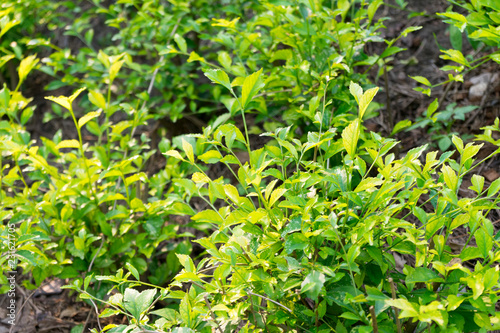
pixel 350 136
pixel 251 86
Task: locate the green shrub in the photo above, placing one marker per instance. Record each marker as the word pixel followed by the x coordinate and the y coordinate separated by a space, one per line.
pixel 309 245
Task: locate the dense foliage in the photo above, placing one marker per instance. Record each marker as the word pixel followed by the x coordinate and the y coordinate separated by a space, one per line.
pixel 301 230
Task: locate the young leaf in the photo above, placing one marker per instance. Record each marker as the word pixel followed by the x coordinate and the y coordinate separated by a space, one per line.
pixel 114 69
pixel 181 43
pixel 68 144
pixel 253 83
pixel 136 303
pixel 350 136
pixel 175 154
pixel 211 156
pixel 224 59
pixel 450 177
pixel 88 117
pixel 97 99
pixel 421 79
pixel 432 108
pixel 312 284
pixel 188 149
pixel 193 56
pixel 365 100
pixel 133 270
pixel 27 64
pixel 356 91
pixel 277 193
pixel 494 187
pixel 220 77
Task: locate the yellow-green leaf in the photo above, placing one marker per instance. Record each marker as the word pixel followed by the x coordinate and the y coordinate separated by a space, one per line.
pixel 27 64
pixel 277 193
pixel 8 26
pixel 114 69
pixel 97 99
pixel 211 156
pixel 188 149
pixel 88 117
pixel 356 91
pixel 193 56
pixel 450 177
pixel 365 100
pixel 350 136
pixel 75 94
pixel 200 178
pixel 175 154
pixel 61 100
pixel 225 23
pixel 367 184
pixel 68 144
pixel 232 193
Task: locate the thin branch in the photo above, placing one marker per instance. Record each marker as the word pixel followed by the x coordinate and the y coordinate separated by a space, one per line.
pixel 212 314
pixel 374 319
pixel 97 314
pixel 396 310
pixel 269 300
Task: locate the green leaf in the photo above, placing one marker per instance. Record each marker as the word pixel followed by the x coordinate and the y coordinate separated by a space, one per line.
pixel 444 143
pixel 494 188
pixel 136 303
pixel 251 86
pixel 423 274
pixel 455 38
pixel 181 43
pixel 350 136
pixel 312 284
pixel 220 77
pixel 88 117
pixel 185 310
pixel 484 242
pixel 421 79
pixel 133 270
pixel 295 241
pixel 469 152
pixel 186 262
pixel 408 30
pixel 401 125
pixel 432 108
